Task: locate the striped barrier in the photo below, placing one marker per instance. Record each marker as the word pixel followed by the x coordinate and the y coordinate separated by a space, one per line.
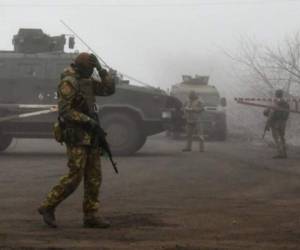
pixel 265 99
pixel 46 109
pixel 294 103
pixel 27 106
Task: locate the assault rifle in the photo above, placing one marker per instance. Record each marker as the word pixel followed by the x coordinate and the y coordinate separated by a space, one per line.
pixel 267 128
pixel 100 140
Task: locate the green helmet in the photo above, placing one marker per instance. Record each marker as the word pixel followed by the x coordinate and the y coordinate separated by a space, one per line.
pixel 84 65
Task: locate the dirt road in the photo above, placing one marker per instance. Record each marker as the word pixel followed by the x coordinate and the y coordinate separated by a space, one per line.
pixel 234 196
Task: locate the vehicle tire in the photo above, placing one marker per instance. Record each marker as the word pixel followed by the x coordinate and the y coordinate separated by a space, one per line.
pixel 143 140
pixel 221 133
pixel 5 141
pixel 124 133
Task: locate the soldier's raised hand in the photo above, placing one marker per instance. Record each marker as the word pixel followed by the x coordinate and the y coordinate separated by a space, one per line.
pixel 95 62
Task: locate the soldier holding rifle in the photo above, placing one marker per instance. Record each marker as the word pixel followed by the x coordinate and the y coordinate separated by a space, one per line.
pixel 277 119
pixel 78 128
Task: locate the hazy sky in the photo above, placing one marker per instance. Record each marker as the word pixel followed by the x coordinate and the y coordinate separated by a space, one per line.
pixel 157 41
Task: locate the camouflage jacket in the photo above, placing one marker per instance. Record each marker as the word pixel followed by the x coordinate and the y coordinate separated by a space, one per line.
pixel 76 101
pixel 192 110
pixel 276 115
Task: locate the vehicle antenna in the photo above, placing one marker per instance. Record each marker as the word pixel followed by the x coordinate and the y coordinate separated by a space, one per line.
pixel 77 36
pixel 104 63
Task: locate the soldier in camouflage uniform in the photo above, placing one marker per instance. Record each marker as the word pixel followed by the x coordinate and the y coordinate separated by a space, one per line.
pixel 77 113
pixel 277 119
pixel 193 109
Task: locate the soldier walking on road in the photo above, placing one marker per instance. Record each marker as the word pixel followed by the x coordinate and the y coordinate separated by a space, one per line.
pixel 193 109
pixel 78 118
pixel 277 119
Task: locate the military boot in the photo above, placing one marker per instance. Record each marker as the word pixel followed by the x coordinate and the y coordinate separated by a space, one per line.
pixel 48 215
pixel 283 155
pixel 92 221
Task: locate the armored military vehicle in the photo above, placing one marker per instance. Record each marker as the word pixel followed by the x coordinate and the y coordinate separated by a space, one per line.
pixel 28 80
pixel 214 116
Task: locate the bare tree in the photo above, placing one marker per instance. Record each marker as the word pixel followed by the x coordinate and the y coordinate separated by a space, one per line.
pixel 270 68
pixel 287 58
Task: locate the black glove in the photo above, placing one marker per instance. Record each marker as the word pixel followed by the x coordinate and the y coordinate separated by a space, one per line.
pixel 103 73
pixel 93 125
pixel 95 62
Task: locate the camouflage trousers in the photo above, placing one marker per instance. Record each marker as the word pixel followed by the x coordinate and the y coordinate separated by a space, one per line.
pixel 278 133
pixel 84 163
pixel 195 129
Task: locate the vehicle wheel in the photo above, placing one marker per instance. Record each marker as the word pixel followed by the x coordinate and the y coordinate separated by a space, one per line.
pixel 124 133
pixel 5 141
pixel 143 140
pixel 222 135
pixel 221 129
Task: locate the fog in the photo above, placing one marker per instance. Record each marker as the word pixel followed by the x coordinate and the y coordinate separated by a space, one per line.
pixel 158 41
pixel 236 189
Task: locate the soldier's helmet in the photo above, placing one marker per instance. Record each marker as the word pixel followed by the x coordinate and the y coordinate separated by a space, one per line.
pixel 84 65
pixel 279 93
pixel 193 95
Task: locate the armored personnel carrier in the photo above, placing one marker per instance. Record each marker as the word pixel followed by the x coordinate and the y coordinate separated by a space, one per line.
pixel 214 116
pixel 28 80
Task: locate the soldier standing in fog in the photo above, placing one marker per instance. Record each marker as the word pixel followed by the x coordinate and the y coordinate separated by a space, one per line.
pixel 78 119
pixel 193 109
pixel 277 119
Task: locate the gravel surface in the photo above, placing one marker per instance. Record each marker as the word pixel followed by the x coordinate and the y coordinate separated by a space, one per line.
pixel 234 196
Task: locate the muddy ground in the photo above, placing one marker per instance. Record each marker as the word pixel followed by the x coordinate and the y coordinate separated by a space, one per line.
pixel 234 196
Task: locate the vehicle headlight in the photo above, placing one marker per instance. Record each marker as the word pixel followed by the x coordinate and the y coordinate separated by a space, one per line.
pixel 166 114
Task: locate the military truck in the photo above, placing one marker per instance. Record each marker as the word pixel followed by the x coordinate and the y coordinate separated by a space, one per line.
pixel 28 80
pixel 214 116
